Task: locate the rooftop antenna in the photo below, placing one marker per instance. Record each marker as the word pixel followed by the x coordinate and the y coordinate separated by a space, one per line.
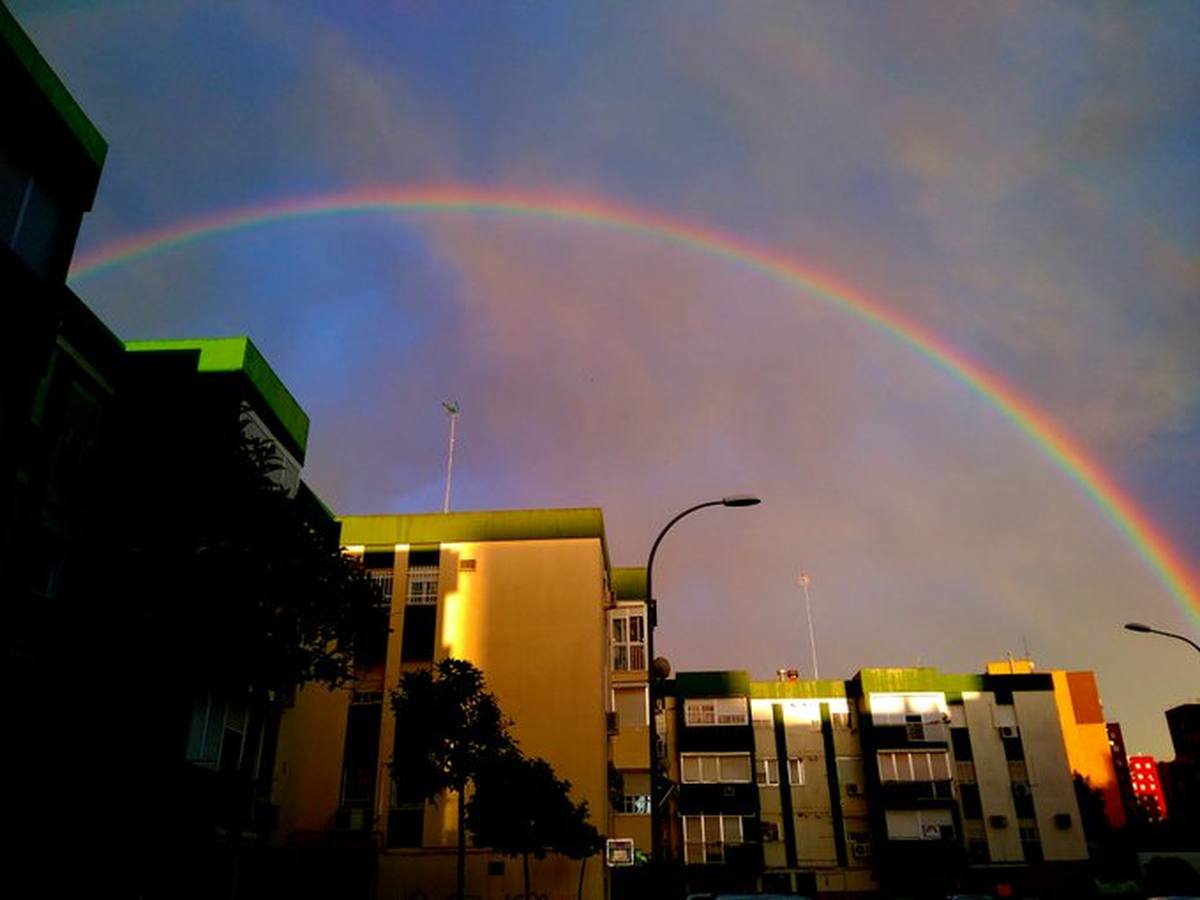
pixel 452 409
pixel 804 580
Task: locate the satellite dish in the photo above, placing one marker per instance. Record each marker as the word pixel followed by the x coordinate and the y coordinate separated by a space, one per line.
pixel 662 667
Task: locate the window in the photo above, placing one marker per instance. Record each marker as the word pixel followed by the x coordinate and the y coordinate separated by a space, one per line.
pixel 706 837
pixel 631 706
pixel 382 579
pixel 420 614
pixel 913 765
pixel 634 804
pixel 972 803
pixel 960 740
pixel 422 585
pixel 795 771
pixel 217 734
pixel 712 768
pixel 766 770
pixel 770 832
pixel 716 711
pixel 628 640
pixel 919 824
pixel 902 709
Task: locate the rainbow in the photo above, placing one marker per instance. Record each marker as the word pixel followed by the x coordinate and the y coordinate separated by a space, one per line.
pixel 1148 541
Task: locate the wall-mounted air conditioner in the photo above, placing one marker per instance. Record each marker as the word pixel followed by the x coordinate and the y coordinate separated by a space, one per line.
pixel 1009 731
pixel 852 789
pixel 1020 789
pixel 860 851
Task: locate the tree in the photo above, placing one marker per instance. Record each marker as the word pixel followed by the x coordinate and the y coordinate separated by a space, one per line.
pixel 521 807
pixel 209 580
pixel 449 729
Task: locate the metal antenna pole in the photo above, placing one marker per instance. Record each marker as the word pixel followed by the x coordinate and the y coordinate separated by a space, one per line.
pixel 452 408
pixel 812 635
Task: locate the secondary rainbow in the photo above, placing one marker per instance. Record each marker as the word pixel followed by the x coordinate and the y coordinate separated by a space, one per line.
pixel 1150 543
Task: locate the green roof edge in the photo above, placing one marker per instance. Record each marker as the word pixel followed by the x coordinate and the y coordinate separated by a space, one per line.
pixel 629 583
pixel 238 354
pixel 476 525
pixel 56 92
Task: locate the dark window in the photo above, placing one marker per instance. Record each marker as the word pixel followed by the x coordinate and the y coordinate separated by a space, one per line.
pixel 495 867
pixel 417 640
pixel 1013 748
pixel 14 182
pixel 1032 850
pixel 406 827
pixel 977 851
pixel 960 739
pixel 423 558
pixel 231 751
pixel 379 559
pixel 1023 803
pixel 361 756
pixel 371 647
pixel 971 804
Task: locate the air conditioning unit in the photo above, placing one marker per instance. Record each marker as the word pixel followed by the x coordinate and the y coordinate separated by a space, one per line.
pixel 1020 789
pixel 860 851
pixel 931 832
pixel 852 789
pixel 998 821
pixel 728 791
pixel 1009 731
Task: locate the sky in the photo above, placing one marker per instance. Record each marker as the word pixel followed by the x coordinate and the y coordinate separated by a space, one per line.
pixel 1019 181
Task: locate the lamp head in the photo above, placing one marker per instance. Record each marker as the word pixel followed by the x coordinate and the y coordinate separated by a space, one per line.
pixel 740 500
pixel 1138 627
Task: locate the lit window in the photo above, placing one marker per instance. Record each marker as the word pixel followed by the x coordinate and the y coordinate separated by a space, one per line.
pixel 711 768
pixel 628 640
pixel 706 837
pixel 422 585
pixel 634 805
pixel 795 771
pixel 716 711
pixel 914 765
pixel 766 770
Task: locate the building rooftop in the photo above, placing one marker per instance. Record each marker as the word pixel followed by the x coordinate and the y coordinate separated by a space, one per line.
pixel 239 355
pixel 51 86
pixel 480 525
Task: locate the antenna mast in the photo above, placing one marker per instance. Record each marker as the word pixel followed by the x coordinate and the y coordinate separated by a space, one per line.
pixel 804 580
pixel 452 408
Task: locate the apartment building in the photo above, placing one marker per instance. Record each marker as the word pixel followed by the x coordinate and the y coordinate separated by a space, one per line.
pixel 525 596
pixel 898 780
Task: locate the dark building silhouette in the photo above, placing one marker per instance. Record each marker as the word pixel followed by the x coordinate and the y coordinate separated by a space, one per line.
pixel 1181 776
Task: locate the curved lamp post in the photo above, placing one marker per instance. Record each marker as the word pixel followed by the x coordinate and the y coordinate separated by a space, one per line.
pixel 651 622
pixel 1146 629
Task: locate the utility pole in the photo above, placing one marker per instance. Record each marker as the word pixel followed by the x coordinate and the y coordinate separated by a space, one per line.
pixel 452 408
pixel 803 581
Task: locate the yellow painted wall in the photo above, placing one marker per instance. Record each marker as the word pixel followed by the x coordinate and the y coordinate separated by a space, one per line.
pixel 308 771
pixel 1086 737
pixel 531 616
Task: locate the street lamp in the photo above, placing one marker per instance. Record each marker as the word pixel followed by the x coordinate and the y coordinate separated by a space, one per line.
pixel 1146 629
pixel 651 622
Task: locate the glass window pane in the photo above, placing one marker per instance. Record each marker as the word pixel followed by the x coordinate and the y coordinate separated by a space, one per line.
pixel 735 768
pixel 732 829
pixel 709 770
pixel 691 770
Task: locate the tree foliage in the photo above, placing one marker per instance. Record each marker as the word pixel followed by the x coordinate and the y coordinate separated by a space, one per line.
pixel 449 729
pixel 227 579
pixel 520 807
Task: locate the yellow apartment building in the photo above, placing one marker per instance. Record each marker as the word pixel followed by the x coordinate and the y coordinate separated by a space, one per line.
pixel 525 596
